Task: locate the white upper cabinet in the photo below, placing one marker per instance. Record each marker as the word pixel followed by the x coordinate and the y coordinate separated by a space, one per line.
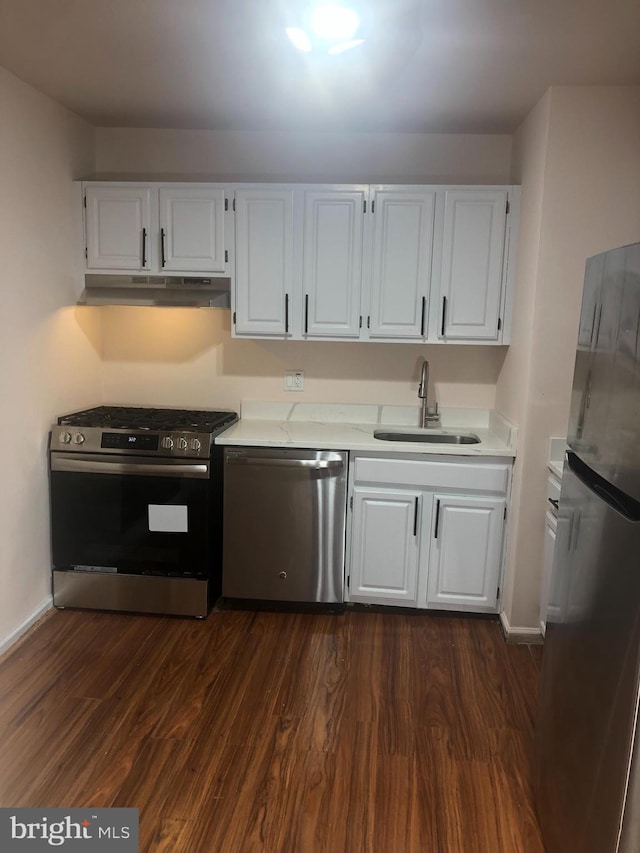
pixel 264 261
pixel 118 227
pixel 423 264
pixel 192 229
pixel 403 232
pixel 156 228
pixel 332 261
pixel 471 281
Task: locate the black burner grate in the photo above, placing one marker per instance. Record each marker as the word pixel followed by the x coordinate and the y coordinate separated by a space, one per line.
pixel 139 418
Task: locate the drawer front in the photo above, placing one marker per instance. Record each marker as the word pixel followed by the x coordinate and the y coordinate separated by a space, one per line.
pixel 485 477
pixel 553 494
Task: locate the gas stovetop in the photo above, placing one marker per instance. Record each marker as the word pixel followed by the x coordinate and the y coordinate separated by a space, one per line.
pixel 161 420
pixel 130 429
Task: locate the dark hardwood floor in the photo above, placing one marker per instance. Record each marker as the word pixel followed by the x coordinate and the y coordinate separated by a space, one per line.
pixel 287 733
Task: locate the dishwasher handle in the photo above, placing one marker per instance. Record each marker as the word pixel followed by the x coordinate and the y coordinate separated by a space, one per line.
pixel 313 464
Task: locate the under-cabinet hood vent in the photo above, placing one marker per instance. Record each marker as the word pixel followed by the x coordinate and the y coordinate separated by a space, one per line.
pixel 159 290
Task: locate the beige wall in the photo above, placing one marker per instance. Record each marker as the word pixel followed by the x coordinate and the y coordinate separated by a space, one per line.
pixel 350 157
pixel 589 201
pixel 187 357
pixel 50 360
pixel 512 393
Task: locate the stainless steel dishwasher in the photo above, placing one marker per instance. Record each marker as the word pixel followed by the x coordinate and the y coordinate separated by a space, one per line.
pixel 284 524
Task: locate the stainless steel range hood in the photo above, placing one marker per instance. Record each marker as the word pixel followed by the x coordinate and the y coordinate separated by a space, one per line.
pixel 168 291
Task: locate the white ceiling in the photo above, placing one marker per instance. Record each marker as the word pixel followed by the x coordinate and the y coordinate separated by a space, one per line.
pixel 474 66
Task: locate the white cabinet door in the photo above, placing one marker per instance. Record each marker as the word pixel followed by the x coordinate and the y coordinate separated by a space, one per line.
pixel 332 262
pixel 472 264
pixel 547 606
pixel 401 263
pixel 192 233
pixel 465 554
pixel 118 221
pixel 384 555
pixel 264 261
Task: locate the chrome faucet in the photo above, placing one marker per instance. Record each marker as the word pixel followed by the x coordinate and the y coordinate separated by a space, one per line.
pixel 429 416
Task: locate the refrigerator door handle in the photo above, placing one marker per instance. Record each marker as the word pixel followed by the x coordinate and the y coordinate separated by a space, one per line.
pixel 615 498
pixel 584 405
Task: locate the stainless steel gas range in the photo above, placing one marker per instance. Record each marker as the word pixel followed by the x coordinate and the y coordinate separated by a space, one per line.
pixel 136 509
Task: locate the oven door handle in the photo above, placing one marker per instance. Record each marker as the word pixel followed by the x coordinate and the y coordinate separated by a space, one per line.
pixel 97 464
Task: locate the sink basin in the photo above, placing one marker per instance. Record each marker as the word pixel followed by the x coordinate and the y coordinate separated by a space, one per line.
pixel 427 437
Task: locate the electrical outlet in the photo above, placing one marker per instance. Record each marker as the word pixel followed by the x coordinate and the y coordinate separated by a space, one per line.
pixel 294 380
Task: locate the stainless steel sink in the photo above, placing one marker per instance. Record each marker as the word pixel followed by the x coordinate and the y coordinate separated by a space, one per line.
pixel 425 437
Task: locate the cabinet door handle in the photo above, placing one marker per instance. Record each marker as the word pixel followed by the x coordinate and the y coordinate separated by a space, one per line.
pixel 424 309
pixel 144 247
pixel 162 246
pixel 286 312
pixel 306 313
pixel 444 315
pixel 437 524
pixel 415 517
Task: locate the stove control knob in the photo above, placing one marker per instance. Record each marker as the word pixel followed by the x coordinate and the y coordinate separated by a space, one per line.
pixel 65 437
pixel 182 444
pixel 195 444
pixel 78 438
pixel 167 442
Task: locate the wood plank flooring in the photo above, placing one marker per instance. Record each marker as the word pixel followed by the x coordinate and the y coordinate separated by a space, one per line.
pixel 287 733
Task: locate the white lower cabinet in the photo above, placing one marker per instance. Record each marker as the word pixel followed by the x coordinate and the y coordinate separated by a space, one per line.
pixel 427 534
pixel 551 596
pixel 466 547
pixel 547 607
pixel 385 546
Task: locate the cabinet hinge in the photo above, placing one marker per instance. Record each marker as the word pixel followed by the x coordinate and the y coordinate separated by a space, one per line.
pixel 226 204
pixel 86 253
pixel 226 256
pixel 505 514
pixel 234 318
pixel 348 582
pixel 351 502
pixel 499 323
pixel 373 206
pixel 508 207
pixel 498 593
pixel 360 321
pixel 234 204
pixel 364 206
pixel 369 322
pixel 85 201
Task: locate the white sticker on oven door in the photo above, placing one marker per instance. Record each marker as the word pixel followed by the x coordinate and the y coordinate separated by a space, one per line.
pixel 168 519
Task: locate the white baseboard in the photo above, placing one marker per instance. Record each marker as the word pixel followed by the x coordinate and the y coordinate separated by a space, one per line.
pixel 519 635
pixel 14 636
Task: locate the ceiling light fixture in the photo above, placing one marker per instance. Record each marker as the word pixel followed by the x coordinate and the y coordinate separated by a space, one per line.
pixel 345 45
pixel 299 38
pixel 332 29
pixel 336 23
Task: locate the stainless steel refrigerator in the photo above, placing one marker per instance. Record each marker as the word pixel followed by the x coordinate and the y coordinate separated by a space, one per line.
pixel 588 748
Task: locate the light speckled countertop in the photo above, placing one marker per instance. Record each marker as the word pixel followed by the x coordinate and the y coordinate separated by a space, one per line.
pixel 325 426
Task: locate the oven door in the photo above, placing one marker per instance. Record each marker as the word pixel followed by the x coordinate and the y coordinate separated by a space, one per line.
pixel 132 515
